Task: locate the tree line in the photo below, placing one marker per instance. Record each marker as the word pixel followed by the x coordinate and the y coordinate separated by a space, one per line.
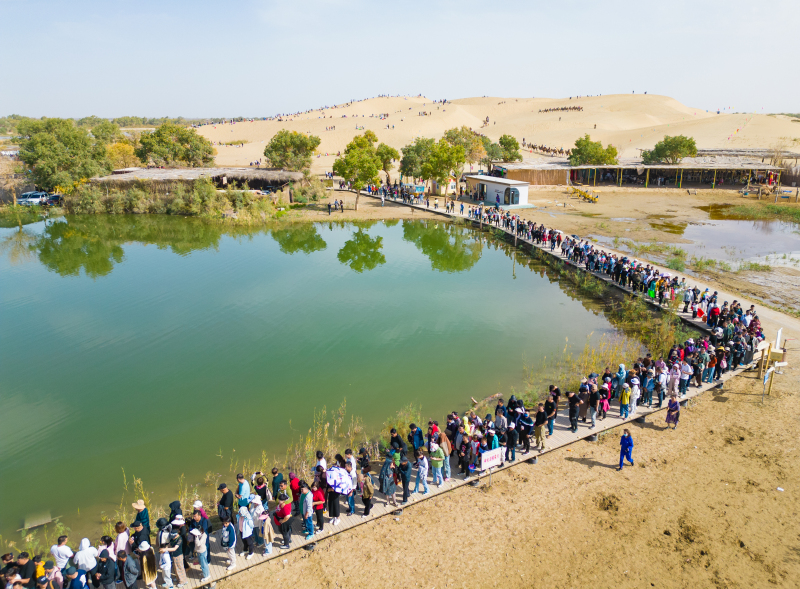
pixel 60 153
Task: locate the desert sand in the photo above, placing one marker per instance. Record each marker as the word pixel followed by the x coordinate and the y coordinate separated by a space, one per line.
pixel 629 121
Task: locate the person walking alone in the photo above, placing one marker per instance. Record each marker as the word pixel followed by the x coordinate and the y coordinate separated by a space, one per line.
pixel 625 448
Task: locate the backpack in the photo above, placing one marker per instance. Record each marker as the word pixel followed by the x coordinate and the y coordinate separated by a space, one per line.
pixel 369 488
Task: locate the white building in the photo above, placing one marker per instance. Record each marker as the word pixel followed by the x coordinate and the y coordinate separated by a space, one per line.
pixel 510 194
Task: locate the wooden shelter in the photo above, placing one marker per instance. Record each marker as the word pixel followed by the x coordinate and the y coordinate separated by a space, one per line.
pixel 161 179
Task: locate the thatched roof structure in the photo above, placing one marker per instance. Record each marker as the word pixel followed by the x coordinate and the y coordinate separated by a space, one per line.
pixel 257 178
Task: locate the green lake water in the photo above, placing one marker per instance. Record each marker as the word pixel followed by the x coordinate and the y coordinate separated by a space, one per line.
pixel 153 343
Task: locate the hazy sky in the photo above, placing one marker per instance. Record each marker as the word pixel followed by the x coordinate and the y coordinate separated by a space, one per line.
pixel 259 57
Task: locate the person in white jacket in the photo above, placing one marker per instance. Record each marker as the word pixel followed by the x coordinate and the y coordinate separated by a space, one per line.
pixel 635 394
pixel 86 557
pixel 245 525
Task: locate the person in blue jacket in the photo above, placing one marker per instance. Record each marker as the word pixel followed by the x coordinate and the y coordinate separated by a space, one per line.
pixel 625 448
pixel 415 437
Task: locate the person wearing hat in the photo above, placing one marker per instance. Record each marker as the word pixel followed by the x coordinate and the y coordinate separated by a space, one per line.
pixel 127 569
pixel 147 564
pixel 139 534
pixel 512 437
pixel 105 571
pixel 142 515
pixel 53 574
pixel 74 578
pixel 624 400
pixel 180 543
pixel 44 583
pixel 635 393
pixel 165 544
pixel 200 522
pixel 225 503
pixel 201 549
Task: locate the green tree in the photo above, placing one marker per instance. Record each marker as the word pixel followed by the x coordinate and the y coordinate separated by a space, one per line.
pixel 301 238
pixel 359 164
pixel 106 132
pixel 470 141
pixel 362 252
pixel 414 155
pixel 492 152
pixel 588 152
pixel 442 160
pixel 670 150
pixel 290 150
pixel 171 145
pixel 386 154
pixel 510 149
pixel 59 153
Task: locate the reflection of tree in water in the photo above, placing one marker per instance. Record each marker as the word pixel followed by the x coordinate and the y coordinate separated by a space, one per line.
pixel 362 252
pixel 451 248
pixel 17 246
pixel 94 242
pixel 299 238
pixel 67 249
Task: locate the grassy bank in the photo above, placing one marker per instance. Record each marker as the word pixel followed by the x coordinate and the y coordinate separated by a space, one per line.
pixel 784 212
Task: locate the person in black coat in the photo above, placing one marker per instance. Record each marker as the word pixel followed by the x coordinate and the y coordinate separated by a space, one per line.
pixel 404 469
pixel 511 442
pixel 104 574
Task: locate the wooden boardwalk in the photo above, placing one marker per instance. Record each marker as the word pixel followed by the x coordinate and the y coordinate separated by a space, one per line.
pixel 562 436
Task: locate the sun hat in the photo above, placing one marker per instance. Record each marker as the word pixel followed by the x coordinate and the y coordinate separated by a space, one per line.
pixel 197 504
pixel 196 532
pixel 138 505
pixel 178 521
pixel 144 546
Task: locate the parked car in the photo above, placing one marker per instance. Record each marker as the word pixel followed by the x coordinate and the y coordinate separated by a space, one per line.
pixel 54 200
pixel 29 199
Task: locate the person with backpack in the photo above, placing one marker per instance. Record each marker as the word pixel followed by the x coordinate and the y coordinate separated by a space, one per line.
pixel 245 525
pixel 54 574
pixel 225 503
pixel 367 490
pixel 227 541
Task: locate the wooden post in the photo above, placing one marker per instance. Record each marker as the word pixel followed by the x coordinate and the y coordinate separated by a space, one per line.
pixel 771 378
pixel 764 361
pixel 647 178
pixel 619 176
pixel 676 175
pixel 595 176
pixel 749 174
pixel 681 183
pixel 714 181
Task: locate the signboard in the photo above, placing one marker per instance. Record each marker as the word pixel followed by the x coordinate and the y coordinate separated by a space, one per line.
pixel 419 189
pixel 778 338
pixel 492 458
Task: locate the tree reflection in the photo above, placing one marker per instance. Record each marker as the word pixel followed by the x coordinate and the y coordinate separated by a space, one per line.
pixel 66 249
pixel 451 248
pixel 299 238
pixel 362 252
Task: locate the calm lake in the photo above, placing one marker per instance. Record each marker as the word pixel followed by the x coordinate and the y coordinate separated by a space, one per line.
pixel 154 344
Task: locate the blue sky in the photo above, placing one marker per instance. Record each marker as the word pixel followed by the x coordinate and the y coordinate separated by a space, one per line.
pixel 258 57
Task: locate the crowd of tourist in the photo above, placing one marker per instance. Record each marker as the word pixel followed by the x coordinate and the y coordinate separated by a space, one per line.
pixel 260 511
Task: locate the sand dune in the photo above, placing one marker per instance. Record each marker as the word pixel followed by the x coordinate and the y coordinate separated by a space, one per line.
pixel 629 121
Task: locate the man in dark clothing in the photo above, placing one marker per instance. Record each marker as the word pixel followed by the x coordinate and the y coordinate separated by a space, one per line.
pixel 574 404
pixel 465 455
pixel 174 509
pixel 396 442
pixel 525 430
pixel 138 534
pixel 405 477
pixel 105 571
pixel 540 419
pixel 225 504
pixel 277 477
pixel 27 570
pixel 127 569
pixel 511 442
